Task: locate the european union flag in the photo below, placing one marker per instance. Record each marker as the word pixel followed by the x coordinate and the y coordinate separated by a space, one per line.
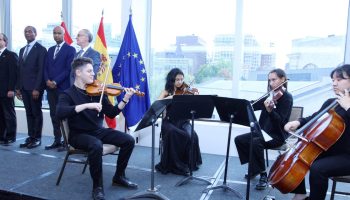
pixel 129 70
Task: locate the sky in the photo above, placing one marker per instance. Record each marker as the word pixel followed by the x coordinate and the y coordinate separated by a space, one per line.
pixel 278 21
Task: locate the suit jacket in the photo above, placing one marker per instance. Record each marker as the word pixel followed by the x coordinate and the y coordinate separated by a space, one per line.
pixel 8 68
pixel 95 56
pixel 58 69
pixel 31 71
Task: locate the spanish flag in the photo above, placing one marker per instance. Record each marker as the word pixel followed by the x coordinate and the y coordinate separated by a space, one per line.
pixel 101 47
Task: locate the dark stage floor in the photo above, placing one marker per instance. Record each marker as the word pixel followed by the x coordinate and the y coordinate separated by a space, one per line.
pixel 33 174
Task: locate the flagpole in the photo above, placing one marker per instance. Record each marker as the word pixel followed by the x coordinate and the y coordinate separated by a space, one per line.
pixel 104 81
pixel 130 9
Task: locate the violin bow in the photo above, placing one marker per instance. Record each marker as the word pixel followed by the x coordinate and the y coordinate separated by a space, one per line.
pixel 103 86
pixel 189 86
pixel 104 83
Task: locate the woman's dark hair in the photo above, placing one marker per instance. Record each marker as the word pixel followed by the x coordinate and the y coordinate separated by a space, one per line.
pixel 170 79
pixel 280 74
pixel 339 71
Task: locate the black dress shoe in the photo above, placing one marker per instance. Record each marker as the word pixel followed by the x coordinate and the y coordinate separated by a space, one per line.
pixel 26 142
pixel 123 181
pixel 54 145
pixel 34 143
pixel 9 141
pixel 262 184
pixel 98 194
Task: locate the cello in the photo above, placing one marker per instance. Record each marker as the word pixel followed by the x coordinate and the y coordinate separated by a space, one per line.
pixel 318 135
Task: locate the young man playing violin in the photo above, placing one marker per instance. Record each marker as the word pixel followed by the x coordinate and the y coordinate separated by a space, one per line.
pixel 275 113
pixel 336 160
pixel 85 118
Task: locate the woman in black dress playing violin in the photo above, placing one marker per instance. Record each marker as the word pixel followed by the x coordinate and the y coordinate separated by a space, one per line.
pixel 177 134
pixel 275 112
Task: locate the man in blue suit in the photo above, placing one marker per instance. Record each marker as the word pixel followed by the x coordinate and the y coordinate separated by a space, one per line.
pixel 84 38
pixel 56 76
pixel 30 85
pixel 8 67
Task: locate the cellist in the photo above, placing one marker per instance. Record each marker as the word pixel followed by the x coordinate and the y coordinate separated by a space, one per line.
pixel 336 160
pixel 275 113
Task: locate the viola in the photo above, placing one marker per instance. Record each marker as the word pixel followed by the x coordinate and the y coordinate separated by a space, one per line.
pixel 317 136
pixel 274 94
pixel 186 89
pixel 113 89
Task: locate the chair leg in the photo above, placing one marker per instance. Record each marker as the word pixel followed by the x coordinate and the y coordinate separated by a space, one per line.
pixel 333 189
pixel 160 144
pixel 62 168
pixel 85 165
pixel 267 158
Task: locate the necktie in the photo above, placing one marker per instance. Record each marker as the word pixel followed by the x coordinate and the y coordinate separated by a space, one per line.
pixel 80 53
pixel 57 50
pixel 26 52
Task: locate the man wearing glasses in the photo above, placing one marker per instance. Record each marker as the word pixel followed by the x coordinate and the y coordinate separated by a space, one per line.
pixel 84 38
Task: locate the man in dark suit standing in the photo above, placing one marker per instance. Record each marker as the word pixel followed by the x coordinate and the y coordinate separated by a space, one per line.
pixel 84 38
pixel 30 85
pixel 8 67
pixel 56 75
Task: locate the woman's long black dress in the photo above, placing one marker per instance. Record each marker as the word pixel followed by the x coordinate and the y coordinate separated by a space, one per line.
pixel 176 137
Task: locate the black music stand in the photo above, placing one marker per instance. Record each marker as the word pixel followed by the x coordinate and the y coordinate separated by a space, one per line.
pixel 191 107
pixel 150 118
pixel 255 130
pixel 232 111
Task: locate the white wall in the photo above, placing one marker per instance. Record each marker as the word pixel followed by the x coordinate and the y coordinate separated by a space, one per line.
pixel 212 135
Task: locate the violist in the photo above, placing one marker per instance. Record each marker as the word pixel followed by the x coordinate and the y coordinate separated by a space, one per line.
pixel 336 160
pixel 275 113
